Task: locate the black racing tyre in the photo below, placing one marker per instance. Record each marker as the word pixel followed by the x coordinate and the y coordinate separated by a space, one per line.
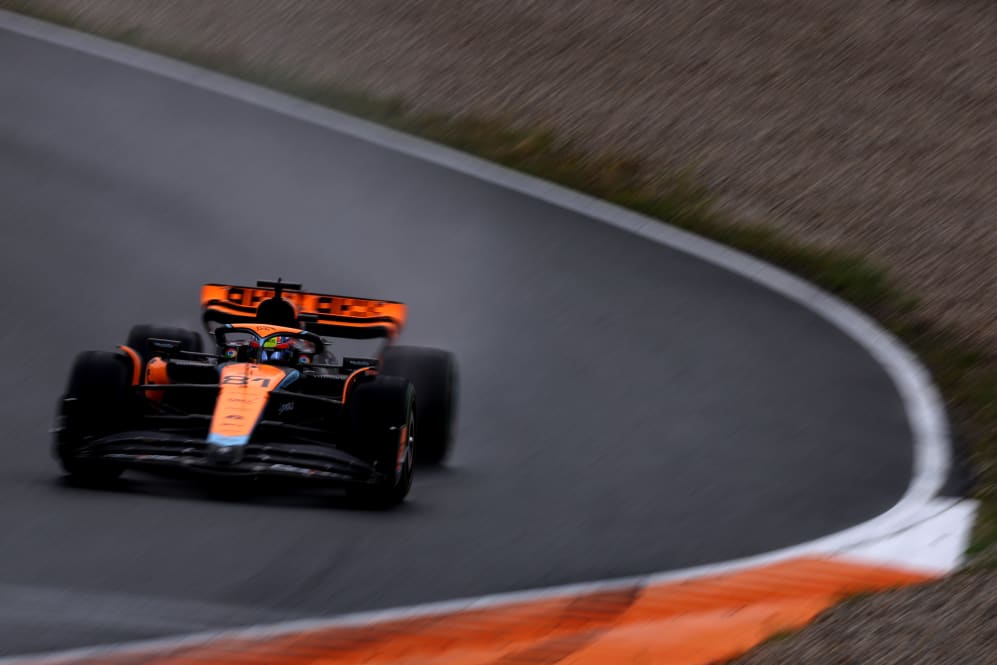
pixel 139 336
pixel 433 372
pixel 383 419
pixel 98 400
pixel 88 472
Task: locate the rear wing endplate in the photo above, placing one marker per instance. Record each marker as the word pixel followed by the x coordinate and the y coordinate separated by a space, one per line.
pixel 326 315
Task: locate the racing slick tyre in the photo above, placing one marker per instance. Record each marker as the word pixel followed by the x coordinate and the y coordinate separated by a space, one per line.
pixel 383 415
pixel 97 400
pixel 139 336
pixel 434 374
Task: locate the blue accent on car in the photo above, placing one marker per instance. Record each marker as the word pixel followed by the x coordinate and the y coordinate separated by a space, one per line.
pixel 288 379
pixel 220 440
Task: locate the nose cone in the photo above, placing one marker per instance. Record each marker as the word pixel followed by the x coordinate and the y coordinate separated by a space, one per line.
pixel 244 392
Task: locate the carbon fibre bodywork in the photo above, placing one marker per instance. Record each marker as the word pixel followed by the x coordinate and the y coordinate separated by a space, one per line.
pixel 299 435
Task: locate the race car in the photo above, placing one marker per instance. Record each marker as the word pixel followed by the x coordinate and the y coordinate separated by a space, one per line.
pixel 277 397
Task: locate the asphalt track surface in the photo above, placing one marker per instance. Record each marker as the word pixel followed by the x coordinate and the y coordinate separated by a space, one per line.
pixel 625 408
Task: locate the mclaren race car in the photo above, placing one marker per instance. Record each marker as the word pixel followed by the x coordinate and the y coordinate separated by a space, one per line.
pixel 278 396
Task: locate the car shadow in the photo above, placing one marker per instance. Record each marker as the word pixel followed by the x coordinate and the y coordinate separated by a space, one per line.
pixel 243 492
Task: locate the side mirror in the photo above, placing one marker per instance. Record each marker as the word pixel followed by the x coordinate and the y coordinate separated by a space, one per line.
pixel 164 347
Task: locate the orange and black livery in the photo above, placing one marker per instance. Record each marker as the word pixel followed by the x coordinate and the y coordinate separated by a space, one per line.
pixel 293 385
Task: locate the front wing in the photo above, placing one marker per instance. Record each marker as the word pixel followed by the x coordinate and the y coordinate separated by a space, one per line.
pixel 158 451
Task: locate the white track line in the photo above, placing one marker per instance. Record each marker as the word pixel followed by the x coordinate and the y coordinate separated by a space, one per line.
pixel 923 406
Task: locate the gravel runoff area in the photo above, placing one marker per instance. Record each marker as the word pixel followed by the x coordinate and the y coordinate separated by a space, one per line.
pixel 865 124
pixel 869 125
pixel 954 621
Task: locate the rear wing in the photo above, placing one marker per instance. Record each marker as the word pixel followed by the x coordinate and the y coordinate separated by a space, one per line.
pixel 326 315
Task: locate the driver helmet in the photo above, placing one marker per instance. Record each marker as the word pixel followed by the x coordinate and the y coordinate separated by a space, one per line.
pixel 278 348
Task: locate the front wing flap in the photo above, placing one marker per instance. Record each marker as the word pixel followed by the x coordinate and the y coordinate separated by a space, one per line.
pixel 154 451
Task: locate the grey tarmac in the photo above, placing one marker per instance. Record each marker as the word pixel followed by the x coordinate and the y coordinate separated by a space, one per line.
pixel 625 408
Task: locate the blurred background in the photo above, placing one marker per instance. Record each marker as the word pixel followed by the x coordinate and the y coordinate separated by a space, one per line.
pixel 851 141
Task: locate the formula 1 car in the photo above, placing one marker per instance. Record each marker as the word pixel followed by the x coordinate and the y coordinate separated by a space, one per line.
pixel 275 399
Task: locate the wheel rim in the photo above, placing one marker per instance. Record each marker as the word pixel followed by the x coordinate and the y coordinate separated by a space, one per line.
pixel 403 471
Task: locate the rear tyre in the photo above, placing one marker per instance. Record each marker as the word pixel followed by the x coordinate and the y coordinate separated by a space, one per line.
pixel 139 336
pixel 383 414
pixel 433 372
pixel 98 401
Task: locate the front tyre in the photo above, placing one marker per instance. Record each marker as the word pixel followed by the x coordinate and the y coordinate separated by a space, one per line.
pixel 89 473
pixel 383 415
pixel 98 400
pixel 433 372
